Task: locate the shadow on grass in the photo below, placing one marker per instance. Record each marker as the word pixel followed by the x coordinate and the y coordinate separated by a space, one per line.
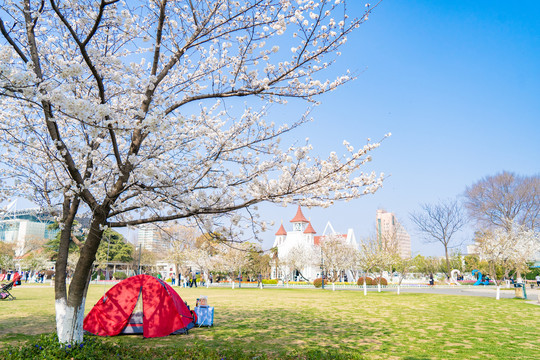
pixel 278 332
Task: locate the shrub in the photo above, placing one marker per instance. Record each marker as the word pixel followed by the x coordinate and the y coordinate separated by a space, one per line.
pixel 318 282
pixel 369 281
pixel 119 275
pixel 270 281
pixel 380 280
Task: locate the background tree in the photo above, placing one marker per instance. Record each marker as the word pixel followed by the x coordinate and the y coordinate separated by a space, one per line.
pixel 504 199
pixel 369 257
pixel 507 250
pixel 426 265
pixel 354 265
pixel 76 240
pixel 123 111
pixel 337 256
pixel 35 261
pixel 180 240
pixel 403 266
pixel 302 256
pixel 258 262
pixel 439 223
pixel 7 252
pixel 456 259
pixel 113 248
pixel 233 258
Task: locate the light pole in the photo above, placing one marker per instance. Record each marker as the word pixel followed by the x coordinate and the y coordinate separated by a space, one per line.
pixel 141 243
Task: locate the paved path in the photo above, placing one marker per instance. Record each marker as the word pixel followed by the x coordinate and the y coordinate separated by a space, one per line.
pixel 532 294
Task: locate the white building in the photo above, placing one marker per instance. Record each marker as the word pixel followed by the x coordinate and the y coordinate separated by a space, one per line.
pixel 390 230
pixel 303 236
pixel 21 227
pixel 150 238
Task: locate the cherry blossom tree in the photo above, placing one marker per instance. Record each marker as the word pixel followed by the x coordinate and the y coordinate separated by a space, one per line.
pixel 507 249
pixel 180 240
pixel 300 257
pixel 232 258
pixel 368 257
pixel 337 255
pixel 132 112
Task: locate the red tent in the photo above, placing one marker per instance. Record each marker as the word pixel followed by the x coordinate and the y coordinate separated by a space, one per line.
pixel 140 304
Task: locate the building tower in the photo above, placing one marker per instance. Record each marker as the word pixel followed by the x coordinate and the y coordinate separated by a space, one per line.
pixel 391 233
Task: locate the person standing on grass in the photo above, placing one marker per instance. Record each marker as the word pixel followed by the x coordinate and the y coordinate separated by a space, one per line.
pixel 538 280
pixel 193 280
pixel 431 280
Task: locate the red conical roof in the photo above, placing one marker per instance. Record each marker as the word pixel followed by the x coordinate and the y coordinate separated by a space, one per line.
pixel 309 230
pixel 299 217
pixel 281 231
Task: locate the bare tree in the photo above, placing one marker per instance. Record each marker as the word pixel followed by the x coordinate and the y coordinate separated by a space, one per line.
pixel 505 199
pixel 124 111
pixel 439 223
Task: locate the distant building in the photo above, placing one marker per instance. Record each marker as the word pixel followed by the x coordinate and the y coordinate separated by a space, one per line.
pixel 21 227
pixel 303 234
pixel 150 237
pixel 391 232
pixel 472 249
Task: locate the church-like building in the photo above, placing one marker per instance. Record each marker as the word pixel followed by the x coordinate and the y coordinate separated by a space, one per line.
pixel 303 236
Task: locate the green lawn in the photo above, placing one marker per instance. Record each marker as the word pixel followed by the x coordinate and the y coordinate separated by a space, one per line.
pixel 277 322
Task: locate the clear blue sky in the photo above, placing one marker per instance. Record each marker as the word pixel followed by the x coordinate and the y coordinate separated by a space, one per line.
pixel 457 83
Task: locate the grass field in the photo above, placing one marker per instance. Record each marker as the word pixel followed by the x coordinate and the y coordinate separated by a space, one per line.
pixel 276 322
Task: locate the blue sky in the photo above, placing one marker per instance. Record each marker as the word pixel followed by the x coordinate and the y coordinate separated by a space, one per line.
pixel 456 83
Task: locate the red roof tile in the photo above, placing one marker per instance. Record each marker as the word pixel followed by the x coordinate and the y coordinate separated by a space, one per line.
pixel 281 231
pixel 309 229
pixel 299 217
pixel 318 239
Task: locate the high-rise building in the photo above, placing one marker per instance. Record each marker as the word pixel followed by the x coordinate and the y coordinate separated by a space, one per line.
pixel 391 233
pixel 22 227
pixel 150 238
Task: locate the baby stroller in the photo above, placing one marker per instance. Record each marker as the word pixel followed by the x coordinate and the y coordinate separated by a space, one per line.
pixel 4 293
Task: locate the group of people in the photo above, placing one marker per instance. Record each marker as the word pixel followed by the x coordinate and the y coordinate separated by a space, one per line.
pixel 191 280
pixel 32 275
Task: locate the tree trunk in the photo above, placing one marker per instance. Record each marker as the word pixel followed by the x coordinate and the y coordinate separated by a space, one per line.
pixel 70 308
pixel 498 297
pixel 447 261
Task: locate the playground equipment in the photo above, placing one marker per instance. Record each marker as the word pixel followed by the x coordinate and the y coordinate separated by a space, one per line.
pixel 453 277
pixel 480 280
